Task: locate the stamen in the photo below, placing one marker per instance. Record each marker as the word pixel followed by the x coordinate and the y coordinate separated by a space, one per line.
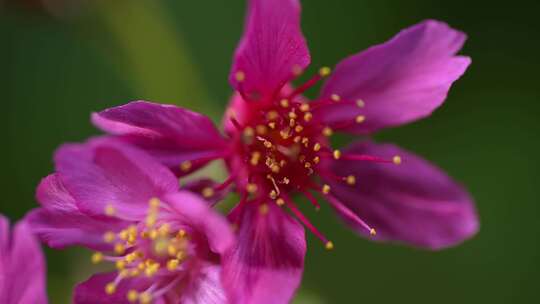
pixel 351 180
pixel 325 189
pixel 325 71
pixel 208 192
pixel 251 188
pixel 327 131
pixel 308 116
pixel 336 154
pixel 185 166
pixel 304 220
pixel 360 119
pixel 110 288
pixel 396 160
pixel 97 257
pixel 240 76
pixel 110 210
pixel 304 107
pixel 284 103
pixel 329 245
pixel 335 97
pixel 132 295
pixel 360 103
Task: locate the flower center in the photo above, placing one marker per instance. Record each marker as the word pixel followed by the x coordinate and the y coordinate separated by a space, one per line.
pixel 147 249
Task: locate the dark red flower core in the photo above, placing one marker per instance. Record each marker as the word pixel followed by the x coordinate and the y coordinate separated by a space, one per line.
pixel 280 146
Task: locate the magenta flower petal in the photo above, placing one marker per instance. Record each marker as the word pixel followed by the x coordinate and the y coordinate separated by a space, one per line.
pixel 267 263
pixel 22 266
pixel 205 288
pixel 105 173
pixel 60 223
pixel 191 210
pixel 271 49
pixel 414 202
pixel 171 134
pixel 400 81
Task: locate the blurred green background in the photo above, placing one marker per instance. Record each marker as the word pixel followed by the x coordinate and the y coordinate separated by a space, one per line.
pixel 60 63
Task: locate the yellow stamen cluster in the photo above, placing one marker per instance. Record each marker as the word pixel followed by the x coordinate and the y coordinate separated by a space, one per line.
pixel 167 251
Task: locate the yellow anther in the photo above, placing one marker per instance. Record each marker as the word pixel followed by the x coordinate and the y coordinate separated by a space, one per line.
pixel 124 273
pixel 263 209
pixel 120 264
pixel 153 234
pixel 285 133
pixel 132 229
pixel 123 235
pixel 292 122
pixel 272 115
pixel 151 270
pixel 284 103
pixel 110 210
pixel 248 132
pixel 97 257
pixel 280 202
pixel 396 159
pixel 172 265
pixel 132 296
pixel 292 115
pixel 154 202
pixel 109 237
pixel 145 298
pixel 307 165
pixel 273 194
pixel 329 245
pixel 316 147
pixel 272 125
pixel 360 103
pixel 336 154
pixel 275 168
pixel 308 116
pixel 267 144
pixel 325 71
pixel 134 272
pixel 305 140
pixel 282 163
pixel 251 188
pixel 327 131
pixel 304 107
pixel 185 166
pixel 316 160
pixel 335 97
pixel 181 255
pixel 150 220
pixel 181 233
pixel 298 128
pixel 360 119
pixel 119 248
pixel 372 231
pixel 326 189
pixel 141 266
pixel 131 257
pixel 208 192
pixel 110 288
pixel 164 229
pixel 240 76
pixel 297 139
pixel 261 129
pixel 172 250
pixel 286 180
pixel 351 179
